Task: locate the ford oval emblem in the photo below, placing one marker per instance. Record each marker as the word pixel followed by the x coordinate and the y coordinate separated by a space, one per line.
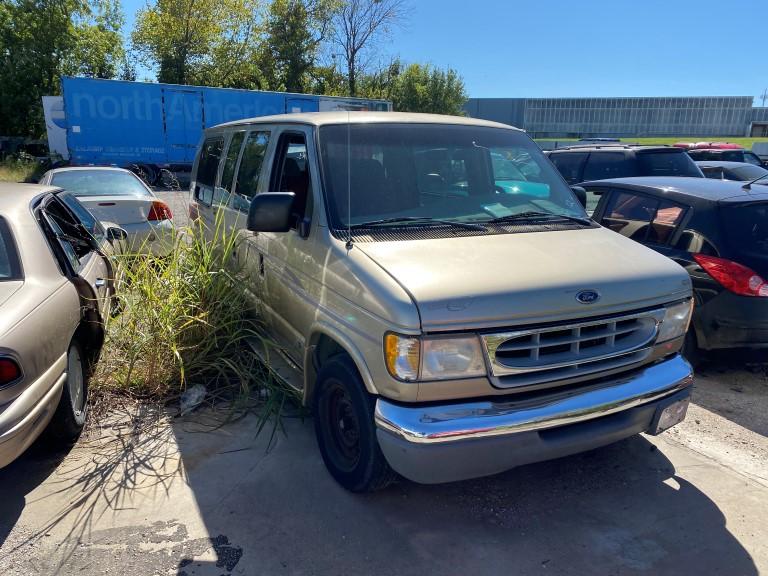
pixel 588 296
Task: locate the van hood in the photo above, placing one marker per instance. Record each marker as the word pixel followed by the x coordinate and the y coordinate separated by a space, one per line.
pixel 506 279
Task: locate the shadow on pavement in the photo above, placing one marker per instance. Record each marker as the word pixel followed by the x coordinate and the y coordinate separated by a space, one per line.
pixel 620 509
pixel 22 476
pixel 196 498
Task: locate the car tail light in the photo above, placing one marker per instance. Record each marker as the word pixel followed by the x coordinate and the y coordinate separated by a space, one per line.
pixel 734 277
pixel 9 371
pixel 159 211
pixel 194 212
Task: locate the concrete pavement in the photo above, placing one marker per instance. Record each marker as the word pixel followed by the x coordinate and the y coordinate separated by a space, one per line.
pixel 148 495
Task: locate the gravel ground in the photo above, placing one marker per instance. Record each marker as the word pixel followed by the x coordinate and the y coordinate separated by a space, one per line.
pixel 728 420
pixel 178 202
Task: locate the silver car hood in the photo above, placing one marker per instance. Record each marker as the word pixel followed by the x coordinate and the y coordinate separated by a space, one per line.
pixel 508 279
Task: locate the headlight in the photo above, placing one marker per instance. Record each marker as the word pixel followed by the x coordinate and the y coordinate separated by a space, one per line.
pixel 676 320
pixel 402 354
pixel 433 358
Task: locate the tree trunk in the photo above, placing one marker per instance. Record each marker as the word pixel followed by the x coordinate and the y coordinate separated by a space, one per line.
pixel 352 78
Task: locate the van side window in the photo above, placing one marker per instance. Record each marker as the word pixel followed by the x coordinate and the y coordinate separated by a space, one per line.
pixel 207 167
pixel 569 165
pixel 291 173
pixel 247 180
pixel 230 163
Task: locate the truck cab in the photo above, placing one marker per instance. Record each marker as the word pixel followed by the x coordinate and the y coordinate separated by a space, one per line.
pixel 439 295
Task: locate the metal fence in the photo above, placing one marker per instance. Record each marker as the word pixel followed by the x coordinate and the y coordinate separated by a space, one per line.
pixel 622 117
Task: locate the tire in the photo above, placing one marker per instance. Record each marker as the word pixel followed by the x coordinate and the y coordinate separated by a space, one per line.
pixel 69 419
pixel 691 350
pixel 345 429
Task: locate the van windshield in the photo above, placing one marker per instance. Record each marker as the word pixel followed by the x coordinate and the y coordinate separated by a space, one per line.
pixel 437 171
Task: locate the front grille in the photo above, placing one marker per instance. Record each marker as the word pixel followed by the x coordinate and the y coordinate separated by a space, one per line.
pixel 532 356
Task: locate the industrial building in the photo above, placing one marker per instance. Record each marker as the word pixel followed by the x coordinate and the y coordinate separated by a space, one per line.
pixel 701 116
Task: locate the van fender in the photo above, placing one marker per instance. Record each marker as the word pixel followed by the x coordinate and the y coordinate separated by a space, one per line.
pixel 324 329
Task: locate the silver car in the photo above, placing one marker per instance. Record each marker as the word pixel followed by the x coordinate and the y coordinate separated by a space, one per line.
pixel 55 292
pixel 119 196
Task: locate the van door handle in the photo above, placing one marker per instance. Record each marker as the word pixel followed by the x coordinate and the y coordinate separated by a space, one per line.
pixel 100 283
pixel 261 264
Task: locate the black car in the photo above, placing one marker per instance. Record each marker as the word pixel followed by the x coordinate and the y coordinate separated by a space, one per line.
pixel 726 155
pixel 718 231
pixel 738 171
pixel 580 163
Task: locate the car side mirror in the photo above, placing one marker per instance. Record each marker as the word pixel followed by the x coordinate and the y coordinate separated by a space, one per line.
pixel 581 194
pixel 115 233
pixel 271 212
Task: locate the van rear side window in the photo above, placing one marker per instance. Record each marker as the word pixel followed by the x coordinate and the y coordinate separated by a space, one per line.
pixel 247 180
pixel 207 168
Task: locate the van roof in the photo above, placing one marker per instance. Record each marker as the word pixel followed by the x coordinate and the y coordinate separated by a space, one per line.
pixel 359 117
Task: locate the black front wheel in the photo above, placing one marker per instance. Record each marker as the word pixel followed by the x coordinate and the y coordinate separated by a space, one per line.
pixel 69 419
pixel 345 429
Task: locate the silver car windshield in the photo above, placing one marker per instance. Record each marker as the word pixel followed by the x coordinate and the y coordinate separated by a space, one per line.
pixel 437 171
pixel 99 183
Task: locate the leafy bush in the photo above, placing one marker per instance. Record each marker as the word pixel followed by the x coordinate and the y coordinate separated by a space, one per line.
pixel 185 319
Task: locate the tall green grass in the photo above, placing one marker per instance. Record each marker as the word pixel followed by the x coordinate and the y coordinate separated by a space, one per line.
pixel 185 319
pixel 15 170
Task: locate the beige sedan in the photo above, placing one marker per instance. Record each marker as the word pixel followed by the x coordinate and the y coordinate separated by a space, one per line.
pixel 55 292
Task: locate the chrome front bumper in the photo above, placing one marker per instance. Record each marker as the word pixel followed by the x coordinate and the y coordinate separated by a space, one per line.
pixel 438 443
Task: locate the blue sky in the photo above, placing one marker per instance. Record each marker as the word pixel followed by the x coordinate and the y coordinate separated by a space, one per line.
pixel 515 48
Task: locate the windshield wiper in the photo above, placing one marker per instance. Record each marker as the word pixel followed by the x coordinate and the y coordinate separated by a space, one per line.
pixel 416 220
pixel 533 215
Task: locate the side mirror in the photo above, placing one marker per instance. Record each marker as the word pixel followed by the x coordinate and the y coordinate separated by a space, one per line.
pixel 581 194
pixel 271 212
pixel 114 233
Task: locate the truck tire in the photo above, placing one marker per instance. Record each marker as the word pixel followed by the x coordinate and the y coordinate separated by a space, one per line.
pixel 69 419
pixel 345 429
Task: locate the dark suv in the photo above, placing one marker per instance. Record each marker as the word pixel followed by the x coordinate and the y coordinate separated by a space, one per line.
pixel 727 155
pixel 601 161
pixel 718 231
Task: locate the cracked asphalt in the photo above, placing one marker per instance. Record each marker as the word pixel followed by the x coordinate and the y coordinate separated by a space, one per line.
pixel 145 494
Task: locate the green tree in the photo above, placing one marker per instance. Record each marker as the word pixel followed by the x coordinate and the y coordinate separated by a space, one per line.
pixel 295 29
pixel 41 40
pixel 423 88
pixel 99 48
pixel 211 42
